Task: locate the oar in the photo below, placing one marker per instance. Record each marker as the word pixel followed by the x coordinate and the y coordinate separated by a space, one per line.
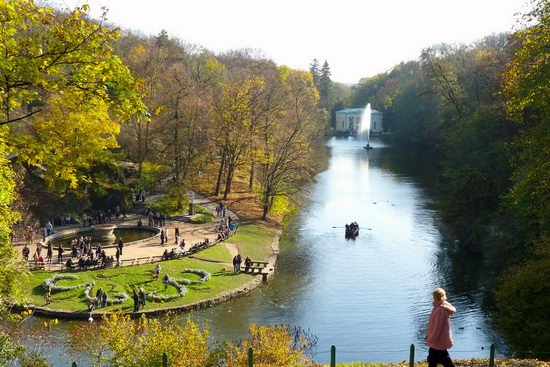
pixel 370 229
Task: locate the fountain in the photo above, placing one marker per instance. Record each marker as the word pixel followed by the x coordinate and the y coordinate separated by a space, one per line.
pixel 103 232
pixel 364 130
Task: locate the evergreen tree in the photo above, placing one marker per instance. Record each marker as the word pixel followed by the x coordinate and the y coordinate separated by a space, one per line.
pixel 325 87
pixel 162 38
pixel 314 70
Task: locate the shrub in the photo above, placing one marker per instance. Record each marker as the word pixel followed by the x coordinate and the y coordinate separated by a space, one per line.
pixel 273 345
pixel 143 342
pixel 169 205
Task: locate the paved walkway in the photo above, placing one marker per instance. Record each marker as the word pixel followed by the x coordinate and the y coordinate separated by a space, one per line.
pixel 192 233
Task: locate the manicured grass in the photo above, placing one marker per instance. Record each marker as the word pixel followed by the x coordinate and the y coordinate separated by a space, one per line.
pixel 216 253
pixel 116 280
pixel 251 239
pixel 254 240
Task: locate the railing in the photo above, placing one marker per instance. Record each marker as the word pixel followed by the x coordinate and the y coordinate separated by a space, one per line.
pixel 332 357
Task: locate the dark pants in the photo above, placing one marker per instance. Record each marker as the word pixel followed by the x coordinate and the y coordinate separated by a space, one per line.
pixel 436 357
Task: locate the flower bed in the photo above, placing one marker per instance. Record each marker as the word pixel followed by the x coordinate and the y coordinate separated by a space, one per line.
pixel 180 284
pixel 50 282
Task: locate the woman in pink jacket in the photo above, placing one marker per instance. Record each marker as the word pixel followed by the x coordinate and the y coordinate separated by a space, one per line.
pixel 439 337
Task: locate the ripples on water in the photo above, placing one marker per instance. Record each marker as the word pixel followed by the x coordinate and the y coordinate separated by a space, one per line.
pixel 371 294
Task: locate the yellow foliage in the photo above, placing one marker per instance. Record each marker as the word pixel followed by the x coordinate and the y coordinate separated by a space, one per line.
pixel 68 139
pixel 273 345
pixel 143 342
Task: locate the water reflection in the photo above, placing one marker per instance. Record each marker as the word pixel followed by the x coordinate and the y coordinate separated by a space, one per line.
pixel 371 295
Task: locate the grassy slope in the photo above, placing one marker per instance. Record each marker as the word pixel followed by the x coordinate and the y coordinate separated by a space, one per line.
pixel 252 240
pixel 216 253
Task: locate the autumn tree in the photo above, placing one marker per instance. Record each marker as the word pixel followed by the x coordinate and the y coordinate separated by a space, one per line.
pixel 53 65
pixel 289 134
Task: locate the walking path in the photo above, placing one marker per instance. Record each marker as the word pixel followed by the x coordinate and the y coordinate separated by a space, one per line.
pixel 191 233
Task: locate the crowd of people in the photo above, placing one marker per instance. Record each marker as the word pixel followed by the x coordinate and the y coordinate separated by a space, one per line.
pixel 83 255
pixel 155 218
pixel 101 217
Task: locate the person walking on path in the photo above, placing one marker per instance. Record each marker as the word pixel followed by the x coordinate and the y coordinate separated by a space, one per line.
pixel 49 253
pixel 117 256
pixel 26 252
pixel 439 337
pixel 162 237
pixel 120 245
pixel 59 254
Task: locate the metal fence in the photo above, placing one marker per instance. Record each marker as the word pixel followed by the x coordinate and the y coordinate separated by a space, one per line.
pixel 165 362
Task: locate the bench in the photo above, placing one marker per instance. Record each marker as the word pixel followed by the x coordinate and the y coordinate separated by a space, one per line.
pixel 145 260
pixel 37 266
pixel 260 263
pixel 252 269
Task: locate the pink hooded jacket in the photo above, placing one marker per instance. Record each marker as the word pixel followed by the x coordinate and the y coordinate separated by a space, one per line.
pixel 439 327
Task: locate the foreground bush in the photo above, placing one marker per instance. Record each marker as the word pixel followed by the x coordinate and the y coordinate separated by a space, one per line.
pixel 273 345
pixel 143 342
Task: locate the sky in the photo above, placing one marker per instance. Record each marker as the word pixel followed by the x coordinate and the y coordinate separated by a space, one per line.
pixel 358 38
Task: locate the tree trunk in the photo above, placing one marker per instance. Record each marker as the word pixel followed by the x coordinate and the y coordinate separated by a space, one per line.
pixel 220 174
pixel 265 203
pixel 229 180
pixel 251 181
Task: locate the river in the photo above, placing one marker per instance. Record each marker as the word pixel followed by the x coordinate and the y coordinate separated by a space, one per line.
pixel 371 296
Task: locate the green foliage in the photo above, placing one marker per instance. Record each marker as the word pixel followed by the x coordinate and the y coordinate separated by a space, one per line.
pixel 527 77
pixel 8 270
pixel 201 219
pixel 33 359
pixel 151 174
pixel 170 205
pixel 9 350
pixel 44 52
pixel 69 139
pixel 523 304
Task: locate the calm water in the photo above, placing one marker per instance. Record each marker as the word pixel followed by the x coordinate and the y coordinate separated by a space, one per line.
pixel 371 296
pixel 127 235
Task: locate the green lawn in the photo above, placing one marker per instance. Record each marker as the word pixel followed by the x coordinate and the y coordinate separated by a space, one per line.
pixel 121 279
pixel 216 253
pixel 254 240
pixel 251 239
